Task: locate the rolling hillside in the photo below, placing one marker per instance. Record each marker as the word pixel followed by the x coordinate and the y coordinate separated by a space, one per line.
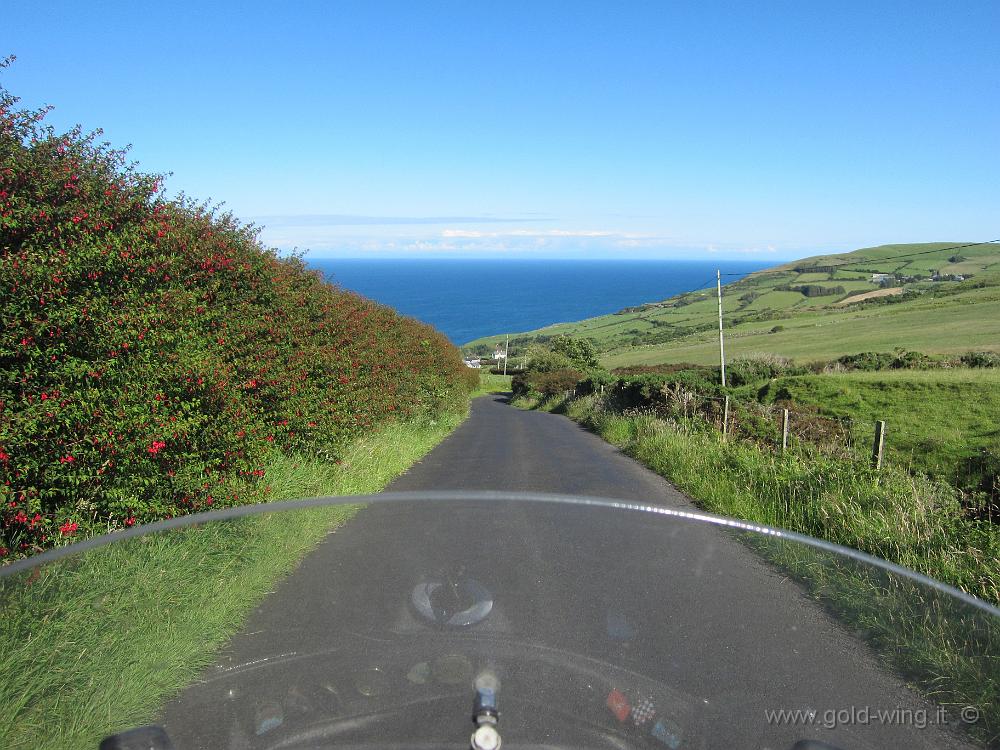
pixel 934 297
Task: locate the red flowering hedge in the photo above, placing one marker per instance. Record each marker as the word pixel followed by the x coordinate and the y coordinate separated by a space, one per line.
pixel 153 353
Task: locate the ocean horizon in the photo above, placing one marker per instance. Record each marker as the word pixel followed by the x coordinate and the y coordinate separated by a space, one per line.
pixel 467 299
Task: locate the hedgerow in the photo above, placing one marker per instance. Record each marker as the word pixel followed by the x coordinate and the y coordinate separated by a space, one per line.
pixel 153 353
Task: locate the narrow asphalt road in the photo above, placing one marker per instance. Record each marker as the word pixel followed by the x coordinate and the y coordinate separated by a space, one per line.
pixel 584 603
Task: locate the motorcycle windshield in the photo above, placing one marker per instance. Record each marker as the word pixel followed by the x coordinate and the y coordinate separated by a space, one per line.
pixel 376 622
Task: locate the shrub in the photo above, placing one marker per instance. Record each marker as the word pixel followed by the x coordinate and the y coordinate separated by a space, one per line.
pixel 580 352
pixel 898 360
pixel 665 368
pixel 155 354
pixel 812 290
pixel 867 361
pixel 756 367
pixel 555 382
pixel 541 359
pixel 980 359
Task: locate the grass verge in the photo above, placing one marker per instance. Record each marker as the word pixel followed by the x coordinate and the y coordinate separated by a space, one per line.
pixel 947 652
pixel 490 383
pixel 170 600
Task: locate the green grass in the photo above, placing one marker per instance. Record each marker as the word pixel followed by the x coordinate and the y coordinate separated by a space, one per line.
pixel 938 421
pixel 96 643
pixel 490 383
pixel 946 651
pixel 948 325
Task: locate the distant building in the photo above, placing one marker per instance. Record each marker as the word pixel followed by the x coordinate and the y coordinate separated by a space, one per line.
pixel 878 278
pixel 473 363
pixel 499 353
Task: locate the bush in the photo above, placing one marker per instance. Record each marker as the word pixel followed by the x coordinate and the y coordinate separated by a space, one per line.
pixel 555 382
pixel 867 361
pixel 666 368
pixel 580 352
pixel 900 359
pixel 980 359
pixel 757 367
pixel 155 354
pixel 812 290
pixel 541 359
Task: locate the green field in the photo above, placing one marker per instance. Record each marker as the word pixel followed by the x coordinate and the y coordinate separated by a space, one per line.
pixel 939 422
pixel 490 383
pixel 960 322
pixel 941 317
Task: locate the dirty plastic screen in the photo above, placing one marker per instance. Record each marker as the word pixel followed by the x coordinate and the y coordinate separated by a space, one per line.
pixel 591 624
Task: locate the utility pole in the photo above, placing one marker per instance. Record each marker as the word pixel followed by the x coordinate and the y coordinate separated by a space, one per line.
pixel 722 350
pixel 506 350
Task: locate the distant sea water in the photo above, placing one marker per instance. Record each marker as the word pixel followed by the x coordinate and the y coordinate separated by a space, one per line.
pixel 467 299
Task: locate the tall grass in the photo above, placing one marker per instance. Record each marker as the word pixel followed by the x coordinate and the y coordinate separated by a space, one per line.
pixel 490 383
pixel 96 643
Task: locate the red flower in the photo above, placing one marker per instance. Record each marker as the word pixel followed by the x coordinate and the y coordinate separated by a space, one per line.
pixel 68 528
pixel 155 447
pixel 67 459
pixel 130 521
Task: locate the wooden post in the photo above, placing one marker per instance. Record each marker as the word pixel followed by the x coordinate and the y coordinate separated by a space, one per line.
pixel 784 430
pixel 878 445
pixel 725 418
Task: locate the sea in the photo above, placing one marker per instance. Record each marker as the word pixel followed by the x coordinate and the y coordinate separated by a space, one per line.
pixel 470 298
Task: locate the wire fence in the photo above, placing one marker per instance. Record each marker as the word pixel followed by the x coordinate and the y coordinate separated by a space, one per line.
pixel 790 427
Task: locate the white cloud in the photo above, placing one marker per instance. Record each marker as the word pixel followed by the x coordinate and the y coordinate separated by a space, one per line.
pixel 513 241
pixel 476 234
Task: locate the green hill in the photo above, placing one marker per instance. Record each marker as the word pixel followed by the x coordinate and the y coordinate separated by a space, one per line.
pixel 934 298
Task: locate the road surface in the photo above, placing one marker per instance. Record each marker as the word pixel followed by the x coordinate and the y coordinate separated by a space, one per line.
pixel 585 601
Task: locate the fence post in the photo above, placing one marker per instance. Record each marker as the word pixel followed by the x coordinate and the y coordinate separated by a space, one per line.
pixel 878 445
pixel 725 418
pixel 784 430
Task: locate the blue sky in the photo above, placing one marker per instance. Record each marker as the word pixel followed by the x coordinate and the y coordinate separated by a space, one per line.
pixel 639 129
